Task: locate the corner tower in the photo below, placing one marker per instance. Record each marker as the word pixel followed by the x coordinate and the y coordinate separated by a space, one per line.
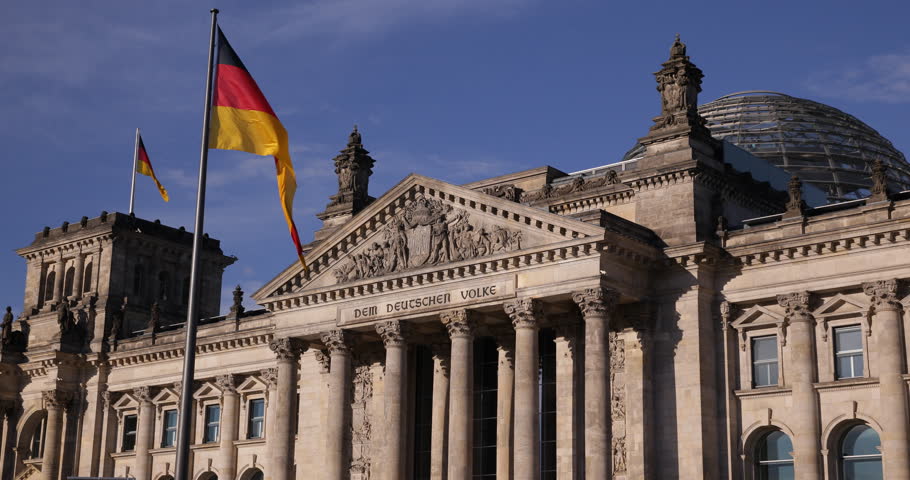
pixel 354 166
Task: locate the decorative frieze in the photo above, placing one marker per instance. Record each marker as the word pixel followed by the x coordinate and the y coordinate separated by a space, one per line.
pixel 524 312
pixel 598 301
pixel 426 232
pixel 337 342
pixel 393 333
pixel 618 400
pixel 361 421
pixel 578 184
pixel 287 348
pixel 883 294
pixel 459 323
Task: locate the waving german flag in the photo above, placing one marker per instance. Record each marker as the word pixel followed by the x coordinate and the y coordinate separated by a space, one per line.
pixel 144 166
pixel 242 119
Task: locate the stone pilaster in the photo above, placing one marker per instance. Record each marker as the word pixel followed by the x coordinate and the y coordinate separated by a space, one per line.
pixel 566 413
pixel 440 415
pixel 9 415
pixel 525 315
pixel 91 425
pixel 108 435
pixel 596 305
pixel 637 393
pixel 338 421
pixel 145 433
pixel 55 402
pixel 887 328
pixel 460 326
pixel 281 442
pixel 230 417
pixel 800 335
pixel 730 385
pixel 505 401
pixel 394 335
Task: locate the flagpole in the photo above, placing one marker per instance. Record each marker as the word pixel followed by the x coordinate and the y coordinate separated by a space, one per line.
pixel 135 164
pixel 189 352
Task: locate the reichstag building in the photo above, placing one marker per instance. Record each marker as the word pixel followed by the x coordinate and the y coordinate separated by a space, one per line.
pixel 726 301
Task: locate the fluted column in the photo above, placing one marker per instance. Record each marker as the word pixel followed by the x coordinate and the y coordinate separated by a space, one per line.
pixel 55 402
pixel 596 304
pixel 525 314
pixel 281 441
pixel 461 393
pixel 338 420
pixel 230 399
pixel 566 414
pixel 887 328
pixel 440 420
pixel 800 334
pixel 145 433
pixel 393 335
pixel 505 401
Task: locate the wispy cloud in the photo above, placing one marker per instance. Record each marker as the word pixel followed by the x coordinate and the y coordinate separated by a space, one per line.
pixel 880 78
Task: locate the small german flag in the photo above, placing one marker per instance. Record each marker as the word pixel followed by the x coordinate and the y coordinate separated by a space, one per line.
pixel 144 166
pixel 242 119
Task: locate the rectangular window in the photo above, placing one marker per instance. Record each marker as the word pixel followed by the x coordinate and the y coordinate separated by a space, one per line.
pixel 547 399
pixel 764 361
pixel 257 419
pixel 212 423
pixel 848 348
pixel 486 372
pixel 169 435
pixel 423 412
pixel 128 443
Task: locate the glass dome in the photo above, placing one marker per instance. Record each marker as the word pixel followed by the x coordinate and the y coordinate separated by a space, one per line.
pixel 821 144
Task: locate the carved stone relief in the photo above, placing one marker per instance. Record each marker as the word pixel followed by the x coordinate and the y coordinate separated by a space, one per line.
pixel 579 184
pixel 426 232
pixel 361 424
pixel 618 400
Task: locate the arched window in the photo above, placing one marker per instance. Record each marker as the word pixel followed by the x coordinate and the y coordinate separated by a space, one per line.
pixel 774 460
pixel 87 279
pixel 164 285
pixel 254 474
pixel 36 444
pixel 861 455
pixel 49 286
pixel 68 281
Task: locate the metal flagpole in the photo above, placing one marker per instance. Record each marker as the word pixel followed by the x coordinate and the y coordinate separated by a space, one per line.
pixel 189 353
pixel 135 164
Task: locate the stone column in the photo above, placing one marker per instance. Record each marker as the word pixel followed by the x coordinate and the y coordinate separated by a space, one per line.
pixel 525 314
pixel 596 305
pixel 58 279
pixel 887 328
pixel 77 277
pixel 801 376
pixel 505 401
pixel 91 423
pixel 55 402
pixel 145 433
pixel 460 325
pixel 108 436
pixel 281 441
pixel 8 417
pixel 566 414
pixel 339 414
pixel 230 418
pixel 637 394
pixel 440 421
pixel 393 335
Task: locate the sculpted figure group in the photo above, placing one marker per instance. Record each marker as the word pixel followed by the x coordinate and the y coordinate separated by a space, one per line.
pixel 427 232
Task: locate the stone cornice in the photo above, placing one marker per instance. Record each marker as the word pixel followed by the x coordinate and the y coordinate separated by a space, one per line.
pixel 162 353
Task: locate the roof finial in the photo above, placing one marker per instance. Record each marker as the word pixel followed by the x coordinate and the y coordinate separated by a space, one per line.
pixel 795 206
pixel 879 181
pixel 354 138
pixel 678 50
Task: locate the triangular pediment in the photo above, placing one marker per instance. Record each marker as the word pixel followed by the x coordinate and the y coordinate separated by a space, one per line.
pixel 423 223
pixel 207 390
pixel 839 305
pixel 166 396
pixel 125 401
pixel 252 384
pixel 757 315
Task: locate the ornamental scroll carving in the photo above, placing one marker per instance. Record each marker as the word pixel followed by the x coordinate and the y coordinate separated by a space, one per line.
pixel 361 424
pixel 618 400
pixel 459 323
pixel 883 294
pixel 393 333
pixel 426 232
pixel 524 312
pixel 796 306
pixel 596 301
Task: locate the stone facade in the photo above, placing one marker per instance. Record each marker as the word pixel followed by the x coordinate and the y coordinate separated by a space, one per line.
pixel 675 344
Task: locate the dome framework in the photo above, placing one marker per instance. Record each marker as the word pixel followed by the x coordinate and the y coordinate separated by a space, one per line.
pixel 819 143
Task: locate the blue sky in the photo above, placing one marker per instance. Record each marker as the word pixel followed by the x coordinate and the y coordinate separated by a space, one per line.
pixel 454 89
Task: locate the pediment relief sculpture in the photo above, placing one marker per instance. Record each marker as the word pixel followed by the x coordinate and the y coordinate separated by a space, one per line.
pixel 426 232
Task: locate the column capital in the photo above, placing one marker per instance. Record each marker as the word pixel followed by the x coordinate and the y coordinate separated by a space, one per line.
pixel 796 306
pixel 324 361
pixel 394 333
pixel 459 323
pixel 269 376
pixel 337 342
pixel 883 294
pixel 143 394
pixel 287 348
pixel 524 312
pixel 596 301
pixel 56 399
pixel 227 383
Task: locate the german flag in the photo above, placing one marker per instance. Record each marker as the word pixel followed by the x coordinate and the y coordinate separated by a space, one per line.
pixel 144 166
pixel 242 119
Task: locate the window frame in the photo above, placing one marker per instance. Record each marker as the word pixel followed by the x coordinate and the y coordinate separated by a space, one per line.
pixel 39 432
pixel 758 463
pixel 835 354
pixel 843 459
pixel 760 335
pixel 250 419
pixel 124 432
pixel 206 408
pixel 165 429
